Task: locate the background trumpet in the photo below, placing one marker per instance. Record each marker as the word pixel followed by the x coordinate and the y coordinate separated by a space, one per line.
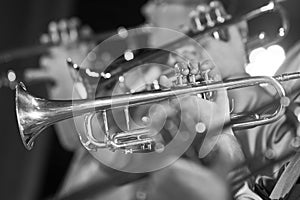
pixel 203 21
pixel 211 19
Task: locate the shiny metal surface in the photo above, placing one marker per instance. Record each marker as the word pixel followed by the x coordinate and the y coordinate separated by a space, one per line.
pixel 35 114
pixel 222 20
pixel 121 66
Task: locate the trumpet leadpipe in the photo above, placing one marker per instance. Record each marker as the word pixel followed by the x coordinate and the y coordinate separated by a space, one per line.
pixel 35 114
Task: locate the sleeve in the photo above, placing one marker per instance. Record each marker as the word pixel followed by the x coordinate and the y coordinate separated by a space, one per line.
pixel 276 136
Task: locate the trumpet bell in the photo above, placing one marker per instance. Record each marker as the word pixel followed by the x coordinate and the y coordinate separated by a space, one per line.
pixel 35 114
pixel 29 126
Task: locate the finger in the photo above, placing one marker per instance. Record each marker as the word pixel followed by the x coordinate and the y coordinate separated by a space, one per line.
pixel 194 66
pixel 36 74
pixel 221 97
pixel 46 61
pixel 159 143
pixel 166 126
pixel 181 71
pixel 171 126
pixel 159 113
pixel 135 81
pixel 189 121
pixel 165 82
pixel 53 32
pixel 187 55
pixel 183 54
pixel 222 103
pixel 187 49
pixel 192 105
pixel 215 75
pixel 86 31
pixel 182 68
pixel 57 53
pixel 152 74
pixel 73 26
pixel 45 39
pixel 206 65
pixel 63 32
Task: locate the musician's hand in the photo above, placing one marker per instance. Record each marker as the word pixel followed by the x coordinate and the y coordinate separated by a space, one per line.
pixel 192 107
pixel 65 34
pixel 217 146
pixel 229 57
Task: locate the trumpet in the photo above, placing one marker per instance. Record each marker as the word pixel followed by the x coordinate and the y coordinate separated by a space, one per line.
pixel 39 49
pixel 205 21
pixel 35 114
pixel 202 22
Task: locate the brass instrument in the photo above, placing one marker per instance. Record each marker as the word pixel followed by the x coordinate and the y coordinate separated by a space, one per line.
pixel 205 19
pixel 35 114
pixel 39 49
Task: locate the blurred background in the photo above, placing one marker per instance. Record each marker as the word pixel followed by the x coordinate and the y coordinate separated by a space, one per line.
pixel 37 174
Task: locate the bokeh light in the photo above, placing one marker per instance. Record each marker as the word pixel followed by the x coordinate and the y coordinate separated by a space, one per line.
pixel 265 61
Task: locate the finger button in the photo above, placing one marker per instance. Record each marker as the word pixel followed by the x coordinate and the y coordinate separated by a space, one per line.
pixel 196 23
pixel 219 11
pixel 203 11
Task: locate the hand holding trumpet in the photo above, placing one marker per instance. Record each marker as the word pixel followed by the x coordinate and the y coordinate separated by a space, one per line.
pixel 53 65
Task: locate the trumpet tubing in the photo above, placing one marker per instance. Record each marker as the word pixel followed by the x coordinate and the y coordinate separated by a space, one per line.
pixel 206 19
pixel 35 114
pixel 203 24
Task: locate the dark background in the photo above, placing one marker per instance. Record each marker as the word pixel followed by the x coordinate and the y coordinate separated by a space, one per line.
pixel 37 174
